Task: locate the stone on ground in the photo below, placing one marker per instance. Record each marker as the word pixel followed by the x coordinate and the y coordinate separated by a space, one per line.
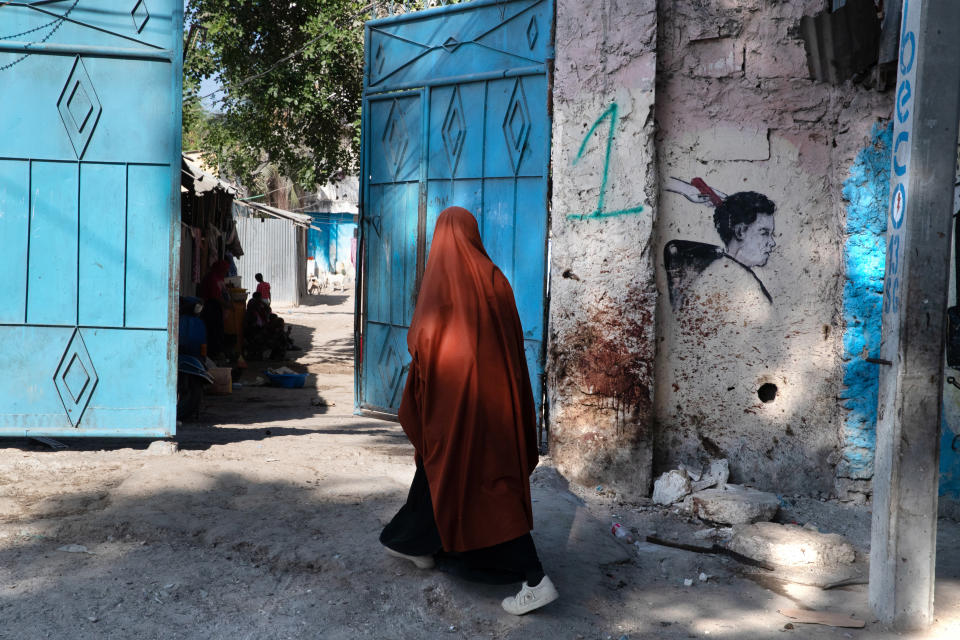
pixel 790 545
pixel 716 475
pixel 733 504
pixel 671 487
pixel 163 448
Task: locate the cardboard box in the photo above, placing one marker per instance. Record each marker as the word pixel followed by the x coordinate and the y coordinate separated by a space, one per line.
pixel 222 381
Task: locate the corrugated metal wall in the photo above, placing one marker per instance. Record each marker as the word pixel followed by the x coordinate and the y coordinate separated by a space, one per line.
pixel 270 247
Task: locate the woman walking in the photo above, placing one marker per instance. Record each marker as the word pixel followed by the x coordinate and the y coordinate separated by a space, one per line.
pixel 469 412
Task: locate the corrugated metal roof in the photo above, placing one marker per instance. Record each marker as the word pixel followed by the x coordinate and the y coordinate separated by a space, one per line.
pixel 204 181
pixel 843 42
pixel 296 218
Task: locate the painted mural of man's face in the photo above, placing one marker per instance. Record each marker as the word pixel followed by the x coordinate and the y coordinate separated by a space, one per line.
pixel 752 243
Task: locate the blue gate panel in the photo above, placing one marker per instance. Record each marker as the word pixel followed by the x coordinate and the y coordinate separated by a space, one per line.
pixel 479 74
pixel 103 206
pixel 456 131
pixel 395 255
pixel 385 365
pixel 52 281
pixel 128 396
pixel 43 78
pixel 89 193
pixel 395 156
pixel 30 397
pixel 14 230
pixel 420 50
pixel 145 21
pixel 148 282
pixel 65 92
pixel 517 128
pixel 73 101
pixel 393 203
pixel 529 255
pixel 107 373
pixel 138 120
pixel 447 193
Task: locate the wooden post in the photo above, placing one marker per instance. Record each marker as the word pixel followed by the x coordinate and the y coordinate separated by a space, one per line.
pixel 926 111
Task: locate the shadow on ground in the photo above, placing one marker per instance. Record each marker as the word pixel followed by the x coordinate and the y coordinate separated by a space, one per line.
pixel 219 554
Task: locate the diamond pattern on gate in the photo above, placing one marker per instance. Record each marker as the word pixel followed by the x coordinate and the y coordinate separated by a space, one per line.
pixel 396 139
pixel 454 130
pixel 79 107
pixel 380 58
pixel 451 44
pixel 140 15
pixel 532 32
pixel 75 378
pixel 391 370
pixel 516 125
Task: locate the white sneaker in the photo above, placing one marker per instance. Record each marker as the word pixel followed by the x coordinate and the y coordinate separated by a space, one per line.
pixel 422 562
pixel 531 598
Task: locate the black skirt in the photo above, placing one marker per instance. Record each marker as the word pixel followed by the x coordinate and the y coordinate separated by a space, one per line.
pixel 413 531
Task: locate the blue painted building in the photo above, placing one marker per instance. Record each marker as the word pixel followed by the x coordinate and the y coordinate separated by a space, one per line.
pixel 332 240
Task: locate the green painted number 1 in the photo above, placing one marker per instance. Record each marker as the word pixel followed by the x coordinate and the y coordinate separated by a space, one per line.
pixel 600 212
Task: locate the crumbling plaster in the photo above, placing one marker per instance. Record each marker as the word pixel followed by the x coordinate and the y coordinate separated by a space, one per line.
pixel 601 342
pixel 799 139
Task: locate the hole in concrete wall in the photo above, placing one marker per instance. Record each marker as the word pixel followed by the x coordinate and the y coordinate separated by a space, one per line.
pixel 767 392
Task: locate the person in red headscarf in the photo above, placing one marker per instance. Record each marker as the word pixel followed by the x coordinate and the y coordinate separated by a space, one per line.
pixel 213 290
pixel 469 412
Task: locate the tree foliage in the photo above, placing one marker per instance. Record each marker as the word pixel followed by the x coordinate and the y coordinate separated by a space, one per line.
pixel 301 113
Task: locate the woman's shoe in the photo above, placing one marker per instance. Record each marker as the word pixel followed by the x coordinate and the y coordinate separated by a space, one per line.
pixel 422 562
pixel 531 598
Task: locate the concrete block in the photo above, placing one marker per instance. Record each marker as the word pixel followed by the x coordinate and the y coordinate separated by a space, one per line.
pixel 733 504
pixel 716 475
pixel 789 545
pixel 671 487
pixel 720 58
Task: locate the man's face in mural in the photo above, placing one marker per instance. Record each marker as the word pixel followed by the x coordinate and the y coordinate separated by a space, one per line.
pixel 752 243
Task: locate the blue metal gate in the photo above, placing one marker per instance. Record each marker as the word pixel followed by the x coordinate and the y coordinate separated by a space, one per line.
pixel 89 196
pixel 454 113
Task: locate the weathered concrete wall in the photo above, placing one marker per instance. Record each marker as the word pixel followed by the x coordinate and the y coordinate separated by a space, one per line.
pixel 735 107
pixel 601 343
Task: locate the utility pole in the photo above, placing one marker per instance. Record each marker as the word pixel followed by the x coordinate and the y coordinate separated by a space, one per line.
pixel 906 474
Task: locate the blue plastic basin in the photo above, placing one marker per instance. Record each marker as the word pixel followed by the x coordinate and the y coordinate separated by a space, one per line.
pixel 288 380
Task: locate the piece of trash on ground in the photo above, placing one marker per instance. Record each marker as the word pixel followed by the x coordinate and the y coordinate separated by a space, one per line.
pixel 619 531
pixel 827 618
pixel 74 548
pixel 282 371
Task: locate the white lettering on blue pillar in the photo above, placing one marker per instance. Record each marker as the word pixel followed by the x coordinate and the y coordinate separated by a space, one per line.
pixel 902 139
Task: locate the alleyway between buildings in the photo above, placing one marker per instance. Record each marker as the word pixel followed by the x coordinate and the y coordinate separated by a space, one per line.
pixel 264 524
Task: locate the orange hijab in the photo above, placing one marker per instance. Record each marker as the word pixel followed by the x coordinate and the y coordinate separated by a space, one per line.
pixel 467 407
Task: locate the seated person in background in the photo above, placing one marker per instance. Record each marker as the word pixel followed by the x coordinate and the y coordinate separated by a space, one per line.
pixel 263 288
pixel 263 330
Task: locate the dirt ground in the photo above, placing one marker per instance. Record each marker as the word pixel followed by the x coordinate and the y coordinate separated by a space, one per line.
pixel 264 525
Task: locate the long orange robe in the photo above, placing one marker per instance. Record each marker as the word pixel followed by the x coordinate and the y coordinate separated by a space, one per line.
pixel 467 406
